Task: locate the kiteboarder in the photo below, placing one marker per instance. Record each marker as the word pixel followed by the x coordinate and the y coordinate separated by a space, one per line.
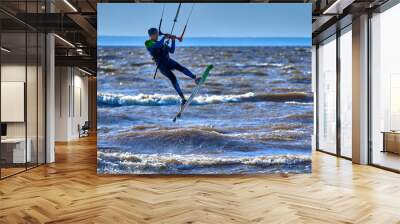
pixel 160 50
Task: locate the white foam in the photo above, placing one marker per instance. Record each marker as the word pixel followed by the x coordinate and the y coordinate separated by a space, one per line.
pixel 140 161
pixel 160 99
pixel 299 103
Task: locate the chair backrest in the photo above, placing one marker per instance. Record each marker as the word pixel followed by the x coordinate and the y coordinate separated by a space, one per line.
pixel 86 125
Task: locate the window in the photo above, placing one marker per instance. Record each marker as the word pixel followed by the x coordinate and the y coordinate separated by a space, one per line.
pixel 346 93
pixel 385 89
pixel 327 95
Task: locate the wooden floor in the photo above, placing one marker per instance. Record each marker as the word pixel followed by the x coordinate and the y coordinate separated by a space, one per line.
pixel 387 159
pixel 70 191
pixel 5 172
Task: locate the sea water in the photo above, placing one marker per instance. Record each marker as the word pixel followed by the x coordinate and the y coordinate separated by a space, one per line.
pixel 253 115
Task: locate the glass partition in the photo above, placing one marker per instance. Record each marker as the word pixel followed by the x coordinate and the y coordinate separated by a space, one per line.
pixel 31 98
pixel 13 105
pixel 327 95
pixel 22 77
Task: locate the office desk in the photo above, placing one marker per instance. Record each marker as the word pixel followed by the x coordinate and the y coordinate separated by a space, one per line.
pixel 13 150
pixel 391 141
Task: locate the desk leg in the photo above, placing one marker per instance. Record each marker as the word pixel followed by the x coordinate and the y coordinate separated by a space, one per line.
pixel 384 143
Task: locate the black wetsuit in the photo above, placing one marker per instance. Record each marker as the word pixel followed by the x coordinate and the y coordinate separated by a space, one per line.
pixel 160 51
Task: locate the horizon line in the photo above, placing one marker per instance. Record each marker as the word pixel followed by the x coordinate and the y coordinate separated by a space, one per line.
pixel 207 36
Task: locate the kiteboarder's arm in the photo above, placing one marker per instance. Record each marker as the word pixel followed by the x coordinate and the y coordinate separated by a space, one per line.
pixel 160 43
pixel 172 48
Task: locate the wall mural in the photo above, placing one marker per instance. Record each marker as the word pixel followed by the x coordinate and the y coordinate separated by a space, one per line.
pixel 214 88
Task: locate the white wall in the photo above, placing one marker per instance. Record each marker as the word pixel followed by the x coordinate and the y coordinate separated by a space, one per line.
pixel 13 72
pixel 80 110
pixel 71 102
pixel 17 72
pixel 10 73
pixel 33 127
pixel 62 81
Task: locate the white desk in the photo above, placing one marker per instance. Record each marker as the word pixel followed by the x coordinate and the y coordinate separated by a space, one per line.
pixel 19 154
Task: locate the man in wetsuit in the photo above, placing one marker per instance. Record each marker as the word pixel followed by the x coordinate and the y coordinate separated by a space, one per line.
pixel 160 50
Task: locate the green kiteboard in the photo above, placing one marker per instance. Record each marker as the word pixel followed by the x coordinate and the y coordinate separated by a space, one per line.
pixel 195 91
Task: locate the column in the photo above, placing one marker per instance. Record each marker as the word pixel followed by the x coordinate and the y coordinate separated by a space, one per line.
pixel 360 90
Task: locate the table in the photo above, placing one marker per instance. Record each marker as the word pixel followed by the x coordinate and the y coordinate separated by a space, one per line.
pixel 391 141
pixel 13 150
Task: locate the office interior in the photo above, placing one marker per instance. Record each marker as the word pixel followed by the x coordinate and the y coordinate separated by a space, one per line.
pixel 44 96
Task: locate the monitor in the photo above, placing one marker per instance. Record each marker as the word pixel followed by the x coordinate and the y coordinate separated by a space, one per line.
pixel 3 129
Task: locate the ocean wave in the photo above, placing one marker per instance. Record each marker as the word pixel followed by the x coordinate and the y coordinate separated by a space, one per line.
pixel 205 140
pixel 276 135
pixel 265 64
pixel 139 64
pixel 110 99
pixel 299 103
pixel 304 116
pixel 240 73
pixel 156 162
pixel 187 140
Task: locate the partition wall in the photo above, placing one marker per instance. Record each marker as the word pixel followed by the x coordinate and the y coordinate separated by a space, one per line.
pixel 22 101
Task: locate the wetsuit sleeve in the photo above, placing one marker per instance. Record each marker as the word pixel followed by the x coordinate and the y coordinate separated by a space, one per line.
pixel 159 44
pixel 172 48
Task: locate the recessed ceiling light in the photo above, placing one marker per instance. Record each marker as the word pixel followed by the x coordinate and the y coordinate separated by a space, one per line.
pixel 337 7
pixel 64 40
pixel 84 71
pixel 5 50
pixel 70 5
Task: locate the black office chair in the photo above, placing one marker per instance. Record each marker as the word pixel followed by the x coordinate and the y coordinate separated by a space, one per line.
pixel 84 130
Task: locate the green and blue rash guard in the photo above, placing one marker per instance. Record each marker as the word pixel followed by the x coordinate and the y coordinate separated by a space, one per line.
pixel 159 50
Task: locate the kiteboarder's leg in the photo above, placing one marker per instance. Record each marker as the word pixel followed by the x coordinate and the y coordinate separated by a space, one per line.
pixel 184 70
pixel 170 75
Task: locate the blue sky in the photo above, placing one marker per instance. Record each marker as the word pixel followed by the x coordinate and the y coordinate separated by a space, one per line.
pixel 208 19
